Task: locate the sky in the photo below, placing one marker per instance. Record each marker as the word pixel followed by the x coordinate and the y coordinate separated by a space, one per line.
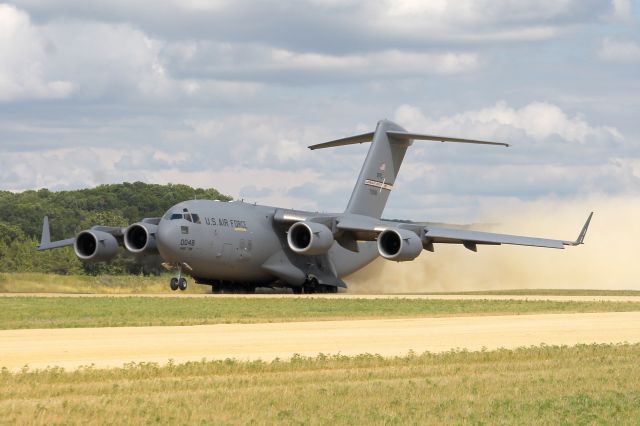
pixel 228 94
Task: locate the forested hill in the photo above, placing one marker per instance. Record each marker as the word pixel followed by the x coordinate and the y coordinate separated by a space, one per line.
pixel 72 211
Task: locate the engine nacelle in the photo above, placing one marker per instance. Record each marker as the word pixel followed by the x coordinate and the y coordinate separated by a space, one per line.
pixel 95 246
pixel 400 245
pixel 140 238
pixel 309 238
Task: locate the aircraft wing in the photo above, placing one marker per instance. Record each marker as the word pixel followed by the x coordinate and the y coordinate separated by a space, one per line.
pixel 471 238
pixel 349 228
pixel 368 230
pixel 47 244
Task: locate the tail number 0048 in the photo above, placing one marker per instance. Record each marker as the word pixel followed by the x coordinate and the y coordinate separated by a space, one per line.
pixel 186 242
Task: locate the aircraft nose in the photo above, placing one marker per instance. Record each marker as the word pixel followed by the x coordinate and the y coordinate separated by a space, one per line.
pixel 167 240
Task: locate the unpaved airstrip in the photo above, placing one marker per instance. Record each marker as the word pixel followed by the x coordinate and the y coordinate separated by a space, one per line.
pixel 523 297
pixel 113 347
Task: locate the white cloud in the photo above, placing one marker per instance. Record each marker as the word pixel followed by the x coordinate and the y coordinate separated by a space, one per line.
pixel 233 180
pixel 258 61
pixel 24 54
pixel 623 11
pixel 375 64
pixel 254 140
pixel 537 120
pixel 82 166
pixel 476 11
pixel 479 21
pixel 90 59
pixel 619 50
pixel 335 24
pixel 544 160
pixel 200 5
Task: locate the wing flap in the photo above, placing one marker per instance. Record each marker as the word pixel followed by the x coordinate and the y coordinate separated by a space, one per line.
pixel 460 236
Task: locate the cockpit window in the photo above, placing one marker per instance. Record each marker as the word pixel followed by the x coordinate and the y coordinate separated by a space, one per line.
pixel 191 217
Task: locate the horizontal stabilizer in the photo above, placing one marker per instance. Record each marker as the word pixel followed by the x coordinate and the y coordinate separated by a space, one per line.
pixel 404 136
pixel 366 137
pixel 417 136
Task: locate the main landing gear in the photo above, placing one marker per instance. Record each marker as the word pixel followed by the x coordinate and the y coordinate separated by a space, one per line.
pixel 312 286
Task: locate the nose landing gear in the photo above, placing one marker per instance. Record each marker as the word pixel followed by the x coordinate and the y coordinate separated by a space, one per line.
pixel 178 283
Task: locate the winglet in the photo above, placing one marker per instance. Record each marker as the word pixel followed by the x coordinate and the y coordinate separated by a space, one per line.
pixel 45 240
pixel 583 233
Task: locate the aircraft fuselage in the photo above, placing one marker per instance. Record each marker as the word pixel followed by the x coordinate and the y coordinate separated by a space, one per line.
pixel 235 241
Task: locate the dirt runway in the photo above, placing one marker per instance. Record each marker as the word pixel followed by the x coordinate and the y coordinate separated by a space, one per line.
pixel 112 347
pixel 443 296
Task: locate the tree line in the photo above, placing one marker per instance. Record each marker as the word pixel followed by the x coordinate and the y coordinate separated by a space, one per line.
pixel 70 212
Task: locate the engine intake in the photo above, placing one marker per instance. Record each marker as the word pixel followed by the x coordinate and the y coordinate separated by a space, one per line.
pixel 309 238
pixel 140 238
pixel 95 246
pixel 400 245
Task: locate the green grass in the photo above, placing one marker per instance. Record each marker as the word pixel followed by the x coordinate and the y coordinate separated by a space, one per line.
pixel 62 312
pixel 547 292
pixel 586 384
pixel 83 284
pixel 130 284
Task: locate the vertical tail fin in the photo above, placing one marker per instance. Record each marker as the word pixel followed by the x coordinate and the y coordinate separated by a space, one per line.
pixel 381 167
pixel 378 174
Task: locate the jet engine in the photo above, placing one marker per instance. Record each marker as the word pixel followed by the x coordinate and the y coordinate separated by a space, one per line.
pixel 140 238
pixel 309 238
pixel 399 244
pixel 95 246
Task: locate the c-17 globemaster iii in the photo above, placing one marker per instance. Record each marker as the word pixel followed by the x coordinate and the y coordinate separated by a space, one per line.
pixel 236 247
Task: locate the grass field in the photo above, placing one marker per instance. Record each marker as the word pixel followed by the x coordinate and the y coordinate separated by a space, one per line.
pixel 129 284
pixel 587 384
pixel 549 292
pixel 60 312
pixel 102 284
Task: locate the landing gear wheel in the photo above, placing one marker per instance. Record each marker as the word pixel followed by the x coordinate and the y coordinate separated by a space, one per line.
pixel 182 284
pixel 173 284
pixel 311 285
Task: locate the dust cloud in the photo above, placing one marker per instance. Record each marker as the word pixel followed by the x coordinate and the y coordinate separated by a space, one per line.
pixel 609 259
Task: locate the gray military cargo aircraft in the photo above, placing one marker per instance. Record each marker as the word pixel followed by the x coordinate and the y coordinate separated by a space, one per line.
pixel 236 247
